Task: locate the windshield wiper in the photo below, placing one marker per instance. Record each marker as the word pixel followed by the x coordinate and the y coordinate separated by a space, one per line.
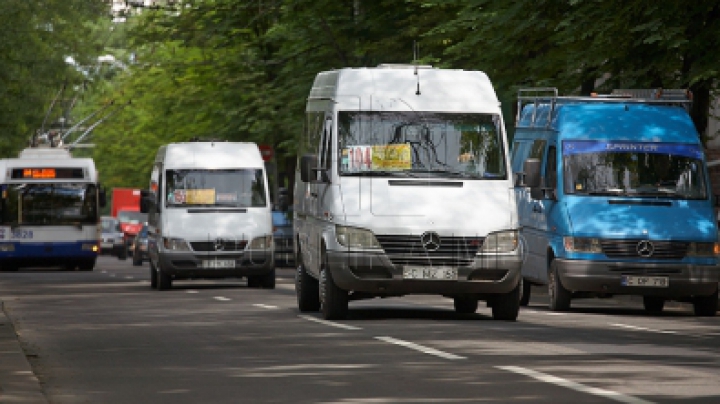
pixel 379 173
pixel 608 192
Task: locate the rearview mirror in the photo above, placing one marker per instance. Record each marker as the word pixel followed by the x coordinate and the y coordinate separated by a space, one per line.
pixel 308 165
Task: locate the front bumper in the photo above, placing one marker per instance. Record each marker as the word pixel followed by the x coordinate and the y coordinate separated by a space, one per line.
pixel 189 265
pixel 374 273
pixel 684 280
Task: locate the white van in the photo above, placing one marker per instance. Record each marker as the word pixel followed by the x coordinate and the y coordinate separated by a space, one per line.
pixel 209 214
pixel 404 187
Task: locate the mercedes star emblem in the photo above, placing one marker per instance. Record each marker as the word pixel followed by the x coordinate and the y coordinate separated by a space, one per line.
pixel 645 248
pixel 219 244
pixel 430 241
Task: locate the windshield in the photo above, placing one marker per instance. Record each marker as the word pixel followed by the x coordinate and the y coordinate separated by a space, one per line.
pixel 133 217
pixel 49 204
pixel 636 169
pixel 109 225
pixel 410 144
pixel 233 188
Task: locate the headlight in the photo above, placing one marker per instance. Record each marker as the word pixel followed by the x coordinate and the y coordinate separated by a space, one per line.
pixel 582 244
pixel 703 249
pixel 89 247
pixel 354 237
pixel 261 243
pixel 500 242
pixel 7 247
pixel 175 244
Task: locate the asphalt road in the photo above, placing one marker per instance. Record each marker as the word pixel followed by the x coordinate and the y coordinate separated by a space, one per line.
pixel 106 337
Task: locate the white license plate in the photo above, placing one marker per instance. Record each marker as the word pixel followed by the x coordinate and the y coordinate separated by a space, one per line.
pixel 430 273
pixel 218 264
pixel 645 281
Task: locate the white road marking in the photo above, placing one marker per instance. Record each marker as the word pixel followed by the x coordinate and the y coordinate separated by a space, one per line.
pixel 331 323
pixel 192 291
pixel 129 277
pixel 544 377
pixel 222 299
pixel 552 313
pixel 112 275
pixel 632 327
pixel 417 347
pixel 265 306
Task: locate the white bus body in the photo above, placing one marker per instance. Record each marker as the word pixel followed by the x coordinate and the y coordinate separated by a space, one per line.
pixel 209 214
pixel 404 186
pixel 49 213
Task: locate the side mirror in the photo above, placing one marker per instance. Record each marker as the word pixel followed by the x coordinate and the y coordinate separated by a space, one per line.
pixel 145 201
pixel 308 165
pixel 531 170
pixel 102 197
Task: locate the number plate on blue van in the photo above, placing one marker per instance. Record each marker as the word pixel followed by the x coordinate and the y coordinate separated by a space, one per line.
pixel 218 264
pixel 646 281
pixel 430 273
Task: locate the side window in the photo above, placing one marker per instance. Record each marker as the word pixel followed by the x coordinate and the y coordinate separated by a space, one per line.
pixel 551 168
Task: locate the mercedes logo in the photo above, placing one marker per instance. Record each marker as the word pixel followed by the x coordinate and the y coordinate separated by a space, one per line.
pixel 430 241
pixel 645 248
pixel 219 244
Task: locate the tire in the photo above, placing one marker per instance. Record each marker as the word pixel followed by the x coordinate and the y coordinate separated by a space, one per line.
pixel 266 281
pixel 559 296
pixel 153 276
pixel 333 300
pixel 653 304
pixel 87 265
pixel 123 254
pixel 307 290
pixel 525 292
pixel 506 306
pixel 465 305
pixel 137 260
pixel 706 306
pixel 164 281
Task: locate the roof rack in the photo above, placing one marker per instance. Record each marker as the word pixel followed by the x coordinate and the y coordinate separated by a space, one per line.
pixel 549 97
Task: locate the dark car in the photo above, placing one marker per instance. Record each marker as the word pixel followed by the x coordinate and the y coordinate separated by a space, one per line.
pixel 139 247
pixel 283 237
pixel 111 237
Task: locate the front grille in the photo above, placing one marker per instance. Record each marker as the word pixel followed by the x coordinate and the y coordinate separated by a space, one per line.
pixel 231 245
pixel 663 250
pixel 408 250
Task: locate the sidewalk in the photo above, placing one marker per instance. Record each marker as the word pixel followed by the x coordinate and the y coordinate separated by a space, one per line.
pixel 18 384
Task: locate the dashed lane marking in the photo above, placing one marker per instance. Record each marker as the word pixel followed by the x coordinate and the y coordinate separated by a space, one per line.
pixel 222 299
pixel 331 323
pixel 636 328
pixel 544 377
pixel 421 348
pixel 265 306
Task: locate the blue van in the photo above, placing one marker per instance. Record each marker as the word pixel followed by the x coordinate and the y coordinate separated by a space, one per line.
pixel 614 198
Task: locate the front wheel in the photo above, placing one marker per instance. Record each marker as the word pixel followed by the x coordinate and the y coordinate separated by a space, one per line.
pixel 153 276
pixel 559 296
pixel 307 290
pixel 706 306
pixel 465 305
pixel 525 292
pixel 653 304
pixel 164 281
pixel 507 305
pixel 333 300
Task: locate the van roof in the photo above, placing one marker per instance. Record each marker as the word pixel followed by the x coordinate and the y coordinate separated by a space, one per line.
pixel 616 121
pixel 405 88
pixel 211 155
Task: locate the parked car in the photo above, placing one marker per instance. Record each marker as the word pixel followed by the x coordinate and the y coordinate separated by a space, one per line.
pixel 111 238
pixel 139 247
pixel 283 237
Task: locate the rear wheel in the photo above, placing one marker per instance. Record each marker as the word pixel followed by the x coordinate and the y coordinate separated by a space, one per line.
pixel 706 306
pixel 307 290
pixel 333 300
pixel 465 305
pixel 559 296
pixel 507 305
pixel 653 304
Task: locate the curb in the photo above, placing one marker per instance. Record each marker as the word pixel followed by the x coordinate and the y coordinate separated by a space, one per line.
pixel 18 383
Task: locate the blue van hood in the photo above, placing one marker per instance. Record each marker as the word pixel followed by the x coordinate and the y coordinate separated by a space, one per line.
pixel 654 219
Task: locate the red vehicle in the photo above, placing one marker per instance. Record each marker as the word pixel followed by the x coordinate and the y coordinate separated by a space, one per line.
pixel 126 208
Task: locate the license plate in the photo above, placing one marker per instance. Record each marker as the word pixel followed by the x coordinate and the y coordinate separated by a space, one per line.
pixel 430 273
pixel 218 264
pixel 645 281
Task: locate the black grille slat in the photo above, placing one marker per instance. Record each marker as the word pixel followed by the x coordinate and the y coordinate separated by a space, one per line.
pixel 408 250
pixel 663 250
pixel 207 246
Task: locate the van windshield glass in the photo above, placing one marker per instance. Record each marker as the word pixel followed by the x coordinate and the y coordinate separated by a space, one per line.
pixel 233 188
pixel 634 169
pixel 426 144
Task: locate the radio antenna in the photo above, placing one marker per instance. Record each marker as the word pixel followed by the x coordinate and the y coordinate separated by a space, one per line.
pixel 416 55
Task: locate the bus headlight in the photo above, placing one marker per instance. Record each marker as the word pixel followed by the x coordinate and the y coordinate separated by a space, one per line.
pixel 354 237
pixel 261 243
pixel 89 247
pixel 501 242
pixel 703 249
pixel 175 244
pixel 7 247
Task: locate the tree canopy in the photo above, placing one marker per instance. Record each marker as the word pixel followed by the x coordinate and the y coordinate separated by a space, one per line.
pixel 241 69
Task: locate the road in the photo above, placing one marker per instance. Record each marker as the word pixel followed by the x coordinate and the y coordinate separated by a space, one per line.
pixel 106 337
